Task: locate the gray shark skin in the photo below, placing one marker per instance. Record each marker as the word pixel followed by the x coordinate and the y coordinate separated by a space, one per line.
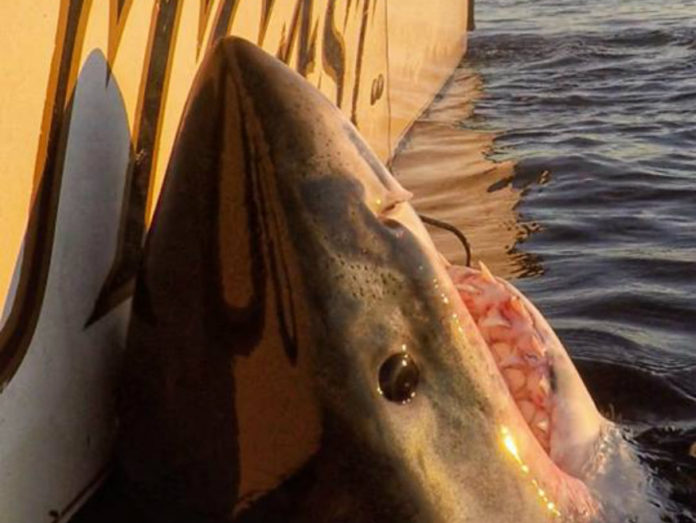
pixel 283 268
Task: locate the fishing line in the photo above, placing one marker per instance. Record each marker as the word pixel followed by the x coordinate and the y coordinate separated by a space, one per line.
pixel 451 228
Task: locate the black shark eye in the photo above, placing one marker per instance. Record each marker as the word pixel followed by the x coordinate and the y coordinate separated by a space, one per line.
pixel 398 378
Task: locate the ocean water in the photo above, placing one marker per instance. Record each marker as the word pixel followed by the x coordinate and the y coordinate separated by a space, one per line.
pixel 565 148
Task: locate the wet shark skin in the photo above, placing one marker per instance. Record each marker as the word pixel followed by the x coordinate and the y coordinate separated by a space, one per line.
pixel 267 233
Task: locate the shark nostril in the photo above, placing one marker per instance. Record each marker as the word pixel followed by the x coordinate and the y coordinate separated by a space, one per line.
pixel 398 378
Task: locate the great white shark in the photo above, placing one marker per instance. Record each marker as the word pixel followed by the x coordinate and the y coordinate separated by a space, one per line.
pixel 299 351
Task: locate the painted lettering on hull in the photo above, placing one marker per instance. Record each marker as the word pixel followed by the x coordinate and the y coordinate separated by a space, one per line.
pixel 325 41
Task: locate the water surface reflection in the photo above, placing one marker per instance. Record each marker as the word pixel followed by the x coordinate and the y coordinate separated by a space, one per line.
pixel 445 162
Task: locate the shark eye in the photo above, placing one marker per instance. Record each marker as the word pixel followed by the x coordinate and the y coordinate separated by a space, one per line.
pixel 398 378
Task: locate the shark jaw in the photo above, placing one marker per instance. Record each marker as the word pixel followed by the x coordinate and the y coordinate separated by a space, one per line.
pixel 561 426
pixel 548 424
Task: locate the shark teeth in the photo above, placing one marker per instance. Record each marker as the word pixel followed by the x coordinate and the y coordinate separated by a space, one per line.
pixel 469 289
pixel 517 348
pixel 494 319
pixel 486 273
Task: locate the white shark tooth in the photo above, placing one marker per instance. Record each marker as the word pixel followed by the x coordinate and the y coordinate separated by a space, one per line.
pixel 538 346
pixel 531 347
pixel 543 425
pixel 541 420
pixel 533 384
pixel 537 388
pixel 486 273
pixel 516 303
pixel 494 319
pixel 469 289
pixel 517 306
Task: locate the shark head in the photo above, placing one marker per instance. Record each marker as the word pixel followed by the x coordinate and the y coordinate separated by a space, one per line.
pixel 300 350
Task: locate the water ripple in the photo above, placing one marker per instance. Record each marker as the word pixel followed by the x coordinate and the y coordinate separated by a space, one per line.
pixel 596 103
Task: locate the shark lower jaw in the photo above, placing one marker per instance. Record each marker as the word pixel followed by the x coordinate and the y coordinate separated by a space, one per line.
pixel 530 407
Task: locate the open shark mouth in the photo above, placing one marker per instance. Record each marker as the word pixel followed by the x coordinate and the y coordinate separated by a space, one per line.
pixel 525 351
pixel 516 345
pixel 547 420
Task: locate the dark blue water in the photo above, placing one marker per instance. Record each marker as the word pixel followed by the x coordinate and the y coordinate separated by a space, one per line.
pixel 595 101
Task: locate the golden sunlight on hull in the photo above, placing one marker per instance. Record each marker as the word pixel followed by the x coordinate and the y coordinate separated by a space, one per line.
pixel 445 165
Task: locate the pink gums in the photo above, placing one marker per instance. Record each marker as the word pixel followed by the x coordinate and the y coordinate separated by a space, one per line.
pixel 521 353
pixel 517 347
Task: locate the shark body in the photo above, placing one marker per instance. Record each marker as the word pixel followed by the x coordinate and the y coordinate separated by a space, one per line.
pixel 300 352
